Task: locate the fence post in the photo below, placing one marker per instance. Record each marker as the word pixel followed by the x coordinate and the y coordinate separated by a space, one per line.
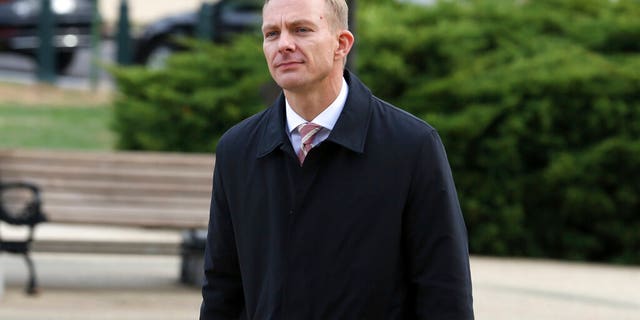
pixel 46 55
pixel 95 45
pixel 351 58
pixel 123 37
pixel 205 22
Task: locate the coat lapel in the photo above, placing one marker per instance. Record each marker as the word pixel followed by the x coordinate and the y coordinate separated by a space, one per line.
pixel 350 130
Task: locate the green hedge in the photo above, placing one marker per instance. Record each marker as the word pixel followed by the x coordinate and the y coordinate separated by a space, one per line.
pixel 538 103
pixel 188 105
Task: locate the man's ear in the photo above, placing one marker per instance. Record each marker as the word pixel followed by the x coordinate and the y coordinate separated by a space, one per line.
pixel 345 42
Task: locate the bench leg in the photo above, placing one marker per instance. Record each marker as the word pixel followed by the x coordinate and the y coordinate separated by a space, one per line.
pixel 192 271
pixel 1 281
pixel 32 285
pixel 192 265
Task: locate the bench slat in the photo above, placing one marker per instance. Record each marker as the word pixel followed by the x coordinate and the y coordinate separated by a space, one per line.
pixel 115 188
pixel 104 247
pixel 201 175
pixel 142 189
pixel 128 158
pixel 167 219
pixel 125 199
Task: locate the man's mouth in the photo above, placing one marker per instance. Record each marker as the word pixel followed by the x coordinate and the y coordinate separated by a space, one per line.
pixel 287 63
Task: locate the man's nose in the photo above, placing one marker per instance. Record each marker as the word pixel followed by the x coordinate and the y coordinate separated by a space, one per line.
pixel 286 43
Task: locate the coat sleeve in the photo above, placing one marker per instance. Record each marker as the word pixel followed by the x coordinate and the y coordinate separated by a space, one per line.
pixel 436 239
pixel 222 287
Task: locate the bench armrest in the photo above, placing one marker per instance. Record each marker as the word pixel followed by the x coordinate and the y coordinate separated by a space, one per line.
pixel 20 203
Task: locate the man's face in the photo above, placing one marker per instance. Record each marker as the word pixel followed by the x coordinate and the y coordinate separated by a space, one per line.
pixel 299 44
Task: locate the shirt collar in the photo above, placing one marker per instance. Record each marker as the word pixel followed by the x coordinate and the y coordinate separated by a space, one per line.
pixel 350 131
pixel 327 118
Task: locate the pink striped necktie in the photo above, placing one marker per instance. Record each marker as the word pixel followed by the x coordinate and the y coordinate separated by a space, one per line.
pixel 307 132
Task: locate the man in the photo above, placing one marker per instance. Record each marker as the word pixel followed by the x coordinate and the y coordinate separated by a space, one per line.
pixel 354 216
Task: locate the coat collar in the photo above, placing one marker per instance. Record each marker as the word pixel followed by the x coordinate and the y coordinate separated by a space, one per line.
pixel 350 131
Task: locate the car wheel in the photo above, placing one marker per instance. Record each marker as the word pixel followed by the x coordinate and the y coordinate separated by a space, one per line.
pixel 158 54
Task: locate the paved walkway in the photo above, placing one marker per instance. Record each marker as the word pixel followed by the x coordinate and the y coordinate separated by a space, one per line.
pixel 98 287
pixel 521 289
pixel 145 287
pixel 139 287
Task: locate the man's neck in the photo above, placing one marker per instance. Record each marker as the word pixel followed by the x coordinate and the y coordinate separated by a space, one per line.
pixel 309 103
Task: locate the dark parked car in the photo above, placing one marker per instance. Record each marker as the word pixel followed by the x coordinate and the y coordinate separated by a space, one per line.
pixel 229 17
pixel 19 27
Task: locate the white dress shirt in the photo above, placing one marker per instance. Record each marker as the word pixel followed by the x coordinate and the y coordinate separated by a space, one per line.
pixel 327 119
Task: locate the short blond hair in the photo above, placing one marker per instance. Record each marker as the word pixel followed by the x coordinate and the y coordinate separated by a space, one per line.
pixel 339 13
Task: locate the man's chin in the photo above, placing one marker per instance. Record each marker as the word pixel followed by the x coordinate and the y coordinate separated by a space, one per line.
pixel 289 81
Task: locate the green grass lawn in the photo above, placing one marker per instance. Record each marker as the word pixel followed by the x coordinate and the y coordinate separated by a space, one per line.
pixel 55 127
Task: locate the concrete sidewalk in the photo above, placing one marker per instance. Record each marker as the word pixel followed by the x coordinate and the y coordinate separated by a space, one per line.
pixel 145 287
pixel 524 289
pixel 120 286
pixel 84 286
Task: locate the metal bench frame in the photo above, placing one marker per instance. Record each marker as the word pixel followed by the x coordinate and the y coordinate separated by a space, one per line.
pixel 29 216
pixel 131 189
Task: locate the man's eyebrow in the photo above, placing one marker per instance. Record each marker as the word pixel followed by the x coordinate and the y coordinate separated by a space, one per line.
pixel 269 26
pixel 298 22
pixel 302 22
pixel 271 23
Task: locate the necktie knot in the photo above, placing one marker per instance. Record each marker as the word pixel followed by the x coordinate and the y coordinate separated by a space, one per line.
pixel 307 132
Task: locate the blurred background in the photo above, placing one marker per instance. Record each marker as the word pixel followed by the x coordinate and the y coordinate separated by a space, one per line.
pixel 537 103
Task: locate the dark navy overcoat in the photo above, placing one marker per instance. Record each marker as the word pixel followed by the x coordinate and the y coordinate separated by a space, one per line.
pixel 369 228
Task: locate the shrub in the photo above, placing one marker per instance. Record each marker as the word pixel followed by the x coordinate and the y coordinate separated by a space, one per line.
pixel 538 105
pixel 190 103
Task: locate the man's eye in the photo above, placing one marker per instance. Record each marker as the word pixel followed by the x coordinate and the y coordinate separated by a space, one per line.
pixel 270 34
pixel 302 29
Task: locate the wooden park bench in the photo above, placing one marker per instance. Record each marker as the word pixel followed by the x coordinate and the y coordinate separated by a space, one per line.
pixel 129 189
